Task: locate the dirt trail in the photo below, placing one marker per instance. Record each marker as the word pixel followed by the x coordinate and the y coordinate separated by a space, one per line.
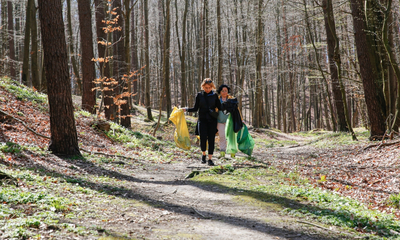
pixel 183 209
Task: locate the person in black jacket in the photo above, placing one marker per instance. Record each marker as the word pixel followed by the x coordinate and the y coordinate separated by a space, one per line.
pixel 208 105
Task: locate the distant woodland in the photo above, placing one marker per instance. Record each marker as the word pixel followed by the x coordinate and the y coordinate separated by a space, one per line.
pixel 293 65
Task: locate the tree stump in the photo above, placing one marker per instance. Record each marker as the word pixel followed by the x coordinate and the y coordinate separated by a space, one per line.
pixel 101 125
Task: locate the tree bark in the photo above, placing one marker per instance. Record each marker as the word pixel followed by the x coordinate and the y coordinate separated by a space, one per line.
pixel 166 64
pixel 88 69
pixel 392 60
pixel 374 107
pixel 34 52
pixel 147 59
pixel 220 59
pixel 182 51
pixel 25 78
pixel 257 116
pixel 332 55
pixel 120 70
pixel 72 51
pixel 134 56
pixel 64 140
pixel 102 39
pixel 11 42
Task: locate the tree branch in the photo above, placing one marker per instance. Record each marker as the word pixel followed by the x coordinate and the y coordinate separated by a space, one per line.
pixel 40 135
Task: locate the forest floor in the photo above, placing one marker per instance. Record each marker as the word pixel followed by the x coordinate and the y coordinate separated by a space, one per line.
pixel 130 185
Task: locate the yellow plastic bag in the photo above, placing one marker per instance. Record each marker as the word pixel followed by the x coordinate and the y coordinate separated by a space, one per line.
pixel 181 135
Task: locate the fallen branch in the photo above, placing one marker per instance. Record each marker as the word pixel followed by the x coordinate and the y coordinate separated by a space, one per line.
pixel 175 191
pixel 107 155
pixel 370 146
pixel 200 213
pixel 387 144
pixel 40 135
pixel 316 225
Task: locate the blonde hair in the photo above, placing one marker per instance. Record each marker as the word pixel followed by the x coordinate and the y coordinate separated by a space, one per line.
pixel 209 82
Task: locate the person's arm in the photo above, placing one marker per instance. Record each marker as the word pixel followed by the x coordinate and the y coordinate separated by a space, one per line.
pixel 196 105
pixel 218 104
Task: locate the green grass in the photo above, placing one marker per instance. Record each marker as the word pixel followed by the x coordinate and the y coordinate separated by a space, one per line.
pixel 271 143
pixel 22 210
pixel 328 139
pixel 24 93
pixel 291 194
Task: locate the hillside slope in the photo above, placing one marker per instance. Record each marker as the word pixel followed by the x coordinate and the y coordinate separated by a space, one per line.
pixel 131 185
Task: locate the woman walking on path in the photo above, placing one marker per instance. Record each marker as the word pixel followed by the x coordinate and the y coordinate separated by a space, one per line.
pixel 223 92
pixel 208 104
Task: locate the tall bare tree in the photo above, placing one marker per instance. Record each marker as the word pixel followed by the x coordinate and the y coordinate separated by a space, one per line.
pixel 166 61
pixel 71 43
pixel 88 69
pixel 220 58
pixel 258 110
pixel 147 59
pixel 64 139
pixel 11 42
pixel 36 83
pixel 334 53
pixel 182 50
pixel 25 78
pixel 367 71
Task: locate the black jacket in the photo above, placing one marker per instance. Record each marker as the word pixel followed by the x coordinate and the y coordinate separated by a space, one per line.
pixel 231 105
pixel 201 105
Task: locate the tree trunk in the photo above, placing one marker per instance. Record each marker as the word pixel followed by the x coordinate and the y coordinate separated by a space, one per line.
pixel 102 38
pixel 182 51
pixel 120 70
pixel 71 49
pixel 372 96
pixel 220 59
pixel 392 60
pixel 88 69
pixel 134 56
pixel 279 66
pixel 11 43
pixel 34 51
pixel 64 140
pixel 257 120
pixel 147 59
pixel 332 55
pixel 25 78
pixel 166 64
pixel 206 42
pixel 127 50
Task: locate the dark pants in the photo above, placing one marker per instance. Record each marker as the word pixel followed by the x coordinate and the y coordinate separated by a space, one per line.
pixel 207 130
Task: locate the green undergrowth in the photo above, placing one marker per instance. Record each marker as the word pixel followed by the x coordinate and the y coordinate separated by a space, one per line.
pixel 24 93
pixel 329 139
pixel 17 150
pixel 47 201
pixel 271 143
pixel 39 202
pixel 293 195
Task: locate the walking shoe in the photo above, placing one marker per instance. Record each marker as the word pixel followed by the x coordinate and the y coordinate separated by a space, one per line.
pixel 222 154
pixel 203 159
pixel 210 163
pixel 232 155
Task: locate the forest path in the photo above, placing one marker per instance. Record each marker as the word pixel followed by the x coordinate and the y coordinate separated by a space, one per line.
pixel 184 209
pixel 157 201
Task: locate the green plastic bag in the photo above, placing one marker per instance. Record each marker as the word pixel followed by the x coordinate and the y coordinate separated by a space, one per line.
pixel 231 137
pixel 245 141
pixel 181 134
